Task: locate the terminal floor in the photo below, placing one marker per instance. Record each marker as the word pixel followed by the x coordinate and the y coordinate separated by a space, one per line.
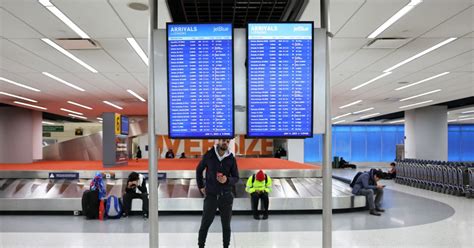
pixel 163 164
pixel 414 218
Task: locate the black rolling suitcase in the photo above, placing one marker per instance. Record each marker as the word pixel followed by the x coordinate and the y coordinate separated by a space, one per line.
pixel 90 204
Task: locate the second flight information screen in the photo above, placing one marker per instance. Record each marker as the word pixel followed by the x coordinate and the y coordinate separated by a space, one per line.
pixel 280 79
pixel 200 80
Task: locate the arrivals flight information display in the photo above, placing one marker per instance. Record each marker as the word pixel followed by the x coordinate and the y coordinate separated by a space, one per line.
pixel 280 79
pixel 200 80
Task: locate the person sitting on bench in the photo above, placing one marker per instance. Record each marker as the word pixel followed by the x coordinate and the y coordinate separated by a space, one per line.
pixel 135 189
pixel 365 183
pixel 258 186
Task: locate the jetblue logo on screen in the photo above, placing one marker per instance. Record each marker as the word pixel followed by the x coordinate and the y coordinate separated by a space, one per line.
pixel 183 29
pixel 300 29
pixel 221 29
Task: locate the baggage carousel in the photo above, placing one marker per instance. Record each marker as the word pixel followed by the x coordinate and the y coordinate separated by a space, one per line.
pixel 292 190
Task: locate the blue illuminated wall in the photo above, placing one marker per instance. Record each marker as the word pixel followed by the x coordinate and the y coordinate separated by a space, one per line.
pixel 360 143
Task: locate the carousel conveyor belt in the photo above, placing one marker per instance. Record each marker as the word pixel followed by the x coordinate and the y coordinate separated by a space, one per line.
pixel 174 194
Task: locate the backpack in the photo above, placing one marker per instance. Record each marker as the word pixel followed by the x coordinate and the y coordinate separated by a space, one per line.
pixel 253 179
pixel 113 208
pixel 354 180
pixel 90 204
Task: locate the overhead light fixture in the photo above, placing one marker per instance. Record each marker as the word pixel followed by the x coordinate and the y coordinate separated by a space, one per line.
pixel 467 112
pixel 341 121
pixel 49 6
pixel 70 111
pixel 19 97
pixel 138 50
pixel 421 54
pixel 367 116
pixel 69 55
pixel 452 120
pixel 415 104
pixel 350 104
pixel 47 123
pixel 423 80
pixel 100 121
pixel 136 95
pixel 30 105
pixel 465 116
pixel 63 81
pixel 399 121
pixel 113 105
pixel 78 116
pixel 362 111
pixel 411 5
pixel 466 119
pixel 340 116
pixel 98 118
pixel 372 80
pixel 18 84
pixel 79 105
pixel 423 94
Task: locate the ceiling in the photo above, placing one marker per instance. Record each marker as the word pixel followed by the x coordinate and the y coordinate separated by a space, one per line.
pixel 24 56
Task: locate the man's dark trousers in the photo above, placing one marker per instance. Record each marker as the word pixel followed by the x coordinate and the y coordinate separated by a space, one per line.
pixel 211 203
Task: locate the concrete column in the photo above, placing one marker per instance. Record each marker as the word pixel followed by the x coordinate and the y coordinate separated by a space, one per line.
pixel 20 135
pixel 296 150
pixel 426 132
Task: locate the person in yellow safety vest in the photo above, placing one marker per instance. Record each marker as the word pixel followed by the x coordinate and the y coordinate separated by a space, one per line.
pixel 259 186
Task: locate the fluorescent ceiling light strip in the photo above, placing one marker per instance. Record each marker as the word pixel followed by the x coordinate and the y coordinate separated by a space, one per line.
pixel 423 94
pixel 98 118
pixel 340 116
pixel 111 104
pixel 63 81
pixel 350 104
pixel 18 84
pixel 19 97
pixel 78 116
pixel 423 80
pixel 466 119
pixel 452 120
pixel 421 54
pixel 414 104
pixel 100 121
pixel 411 5
pixel 138 50
pixel 341 121
pixel 79 105
pixel 465 116
pixel 372 80
pixel 64 18
pixel 30 105
pixel 70 111
pixel 367 116
pixel 467 112
pixel 399 121
pixel 47 123
pixel 136 95
pixel 68 54
pixel 362 111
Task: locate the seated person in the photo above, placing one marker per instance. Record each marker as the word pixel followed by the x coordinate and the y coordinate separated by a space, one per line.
pixel 135 189
pixel 258 186
pixel 367 184
pixel 393 171
pixel 344 164
pixel 183 155
pixel 169 154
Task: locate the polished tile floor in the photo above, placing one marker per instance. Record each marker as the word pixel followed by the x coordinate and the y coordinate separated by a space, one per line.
pixel 414 218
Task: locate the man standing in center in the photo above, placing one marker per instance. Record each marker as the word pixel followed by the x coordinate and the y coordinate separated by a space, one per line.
pixel 221 175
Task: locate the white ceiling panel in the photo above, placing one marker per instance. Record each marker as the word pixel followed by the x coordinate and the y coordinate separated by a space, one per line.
pixel 342 48
pixel 342 11
pixel 362 59
pixel 124 54
pixel 100 60
pixel 13 66
pixel 126 81
pixel 98 80
pixel 95 17
pixel 12 27
pixel 142 78
pixel 136 21
pixel 20 78
pixel 453 63
pixel 467 68
pixel 457 26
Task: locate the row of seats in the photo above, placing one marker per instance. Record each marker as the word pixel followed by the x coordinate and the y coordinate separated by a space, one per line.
pixel 456 178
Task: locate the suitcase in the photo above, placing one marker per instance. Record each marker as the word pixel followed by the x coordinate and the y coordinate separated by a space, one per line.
pixel 90 204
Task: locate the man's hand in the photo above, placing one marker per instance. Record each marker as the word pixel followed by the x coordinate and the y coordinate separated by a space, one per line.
pixel 380 186
pixel 132 184
pixel 222 179
pixel 203 191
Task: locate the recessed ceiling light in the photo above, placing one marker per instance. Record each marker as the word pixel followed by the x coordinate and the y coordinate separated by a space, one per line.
pixel 49 6
pixel 78 116
pixel 113 105
pixel 30 105
pixel 467 112
pixel 138 6
pixel 423 94
pixel 138 50
pixel 362 111
pixel 415 104
pixel 341 121
pixel 69 55
pixel 18 84
pixel 372 80
pixel 340 116
pixel 136 95
pixel 423 80
pixel 350 104
pixel 399 121
pixel 63 81
pixel 70 111
pixel 79 105
pixel 48 123
pixel 19 97
pixel 421 54
pixel 367 116
pixel 411 5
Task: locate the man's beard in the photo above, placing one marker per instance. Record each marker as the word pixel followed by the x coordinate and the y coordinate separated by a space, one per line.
pixel 222 147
